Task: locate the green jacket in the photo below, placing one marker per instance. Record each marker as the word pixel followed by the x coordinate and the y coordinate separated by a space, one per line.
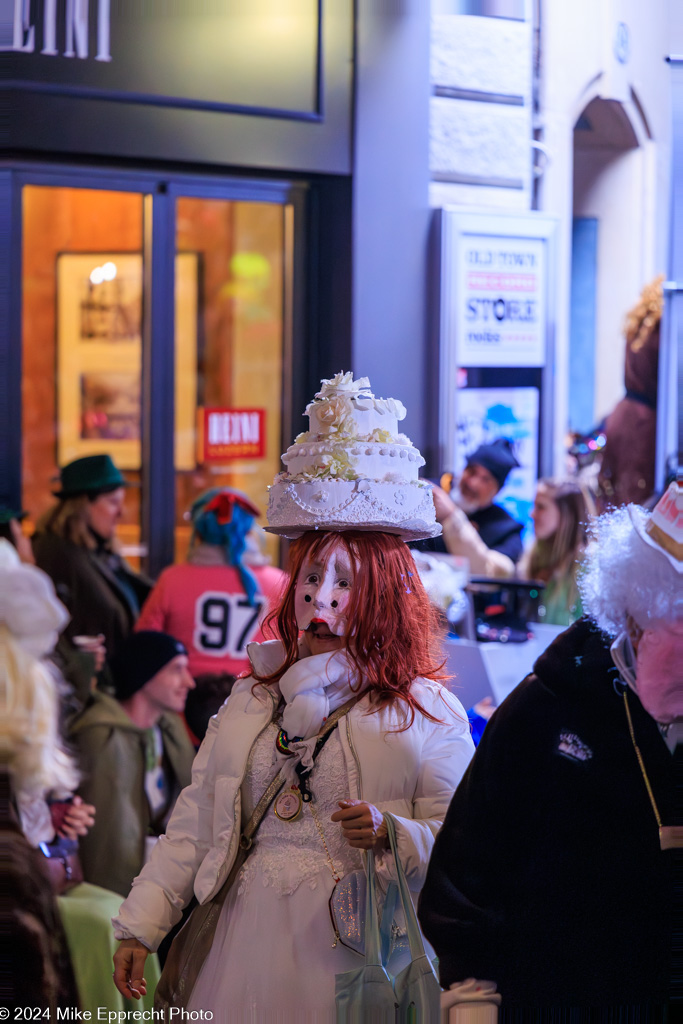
pixel 562 599
pixel 112 755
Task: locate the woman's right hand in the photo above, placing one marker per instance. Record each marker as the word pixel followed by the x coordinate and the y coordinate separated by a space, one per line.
pixel 129 966
pixel 78 819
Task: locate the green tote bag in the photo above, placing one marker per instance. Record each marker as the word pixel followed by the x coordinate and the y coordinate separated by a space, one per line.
pixel 368 994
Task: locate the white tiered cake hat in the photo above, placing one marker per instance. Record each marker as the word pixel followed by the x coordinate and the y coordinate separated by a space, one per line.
pixel 352 470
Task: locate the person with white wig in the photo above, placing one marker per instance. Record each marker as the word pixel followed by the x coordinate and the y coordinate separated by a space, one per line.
pixel 553 875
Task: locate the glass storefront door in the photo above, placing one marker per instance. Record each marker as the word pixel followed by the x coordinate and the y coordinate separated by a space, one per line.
pixel 229 280
pixel 93 271
pixel 82 296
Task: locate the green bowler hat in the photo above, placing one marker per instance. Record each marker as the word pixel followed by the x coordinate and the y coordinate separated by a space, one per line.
pixel 91 474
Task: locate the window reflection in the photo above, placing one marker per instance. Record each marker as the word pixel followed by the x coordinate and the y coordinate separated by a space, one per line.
pixel 233 357
pixel 81 338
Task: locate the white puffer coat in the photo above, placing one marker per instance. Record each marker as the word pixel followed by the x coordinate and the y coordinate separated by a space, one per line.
pixel 413 774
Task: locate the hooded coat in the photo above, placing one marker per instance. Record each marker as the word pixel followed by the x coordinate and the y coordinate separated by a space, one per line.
pixel 112 756
pixel 548 877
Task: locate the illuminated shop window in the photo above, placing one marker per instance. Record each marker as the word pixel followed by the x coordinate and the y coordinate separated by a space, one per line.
pixel 229 356
pixel 82 294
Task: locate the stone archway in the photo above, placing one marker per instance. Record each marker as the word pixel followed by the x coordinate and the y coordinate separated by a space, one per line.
pixel 611 250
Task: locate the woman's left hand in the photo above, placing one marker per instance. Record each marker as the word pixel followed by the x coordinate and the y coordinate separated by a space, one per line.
pixel 362 825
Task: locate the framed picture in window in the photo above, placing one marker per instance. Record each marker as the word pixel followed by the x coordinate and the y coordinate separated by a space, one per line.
pixel 99 356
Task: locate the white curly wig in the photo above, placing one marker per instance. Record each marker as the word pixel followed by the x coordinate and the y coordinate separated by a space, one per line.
pixel 623 576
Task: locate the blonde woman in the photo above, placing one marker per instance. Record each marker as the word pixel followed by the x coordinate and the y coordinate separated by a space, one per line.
pixel 36 770
pixel 30 618
pixel 33 763
pixel 560 514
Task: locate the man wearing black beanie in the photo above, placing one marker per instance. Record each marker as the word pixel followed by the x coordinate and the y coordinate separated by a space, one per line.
pixel 135 756
pixel 473 526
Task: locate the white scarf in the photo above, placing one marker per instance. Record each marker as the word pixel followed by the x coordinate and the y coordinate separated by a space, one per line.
pixel 313 688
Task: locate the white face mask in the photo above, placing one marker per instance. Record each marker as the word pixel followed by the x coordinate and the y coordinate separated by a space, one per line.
pixel 323 588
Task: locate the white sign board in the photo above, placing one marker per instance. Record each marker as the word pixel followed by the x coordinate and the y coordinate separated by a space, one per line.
pixel 500 314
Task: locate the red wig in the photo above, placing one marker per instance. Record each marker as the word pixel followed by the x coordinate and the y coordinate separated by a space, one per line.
pixel 393 631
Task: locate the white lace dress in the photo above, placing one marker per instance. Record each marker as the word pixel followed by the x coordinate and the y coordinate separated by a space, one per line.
pixel 273 958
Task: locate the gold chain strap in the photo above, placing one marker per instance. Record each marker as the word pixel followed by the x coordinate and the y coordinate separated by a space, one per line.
pixel 316 819
pixel 640 762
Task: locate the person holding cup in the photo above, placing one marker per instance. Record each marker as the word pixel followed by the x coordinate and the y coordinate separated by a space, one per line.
pixel 75 545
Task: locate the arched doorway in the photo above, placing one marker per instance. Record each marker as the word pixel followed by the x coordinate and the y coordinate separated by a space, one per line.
pixel 612 250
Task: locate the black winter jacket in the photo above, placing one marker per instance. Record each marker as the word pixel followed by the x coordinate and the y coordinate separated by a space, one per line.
pixel 547 876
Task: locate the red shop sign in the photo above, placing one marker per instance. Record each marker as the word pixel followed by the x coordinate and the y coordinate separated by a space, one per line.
pixel 232 434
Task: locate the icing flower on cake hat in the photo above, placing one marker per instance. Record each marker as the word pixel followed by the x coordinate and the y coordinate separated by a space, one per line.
pixel 342 388
pixel 343 383
pixel 352 470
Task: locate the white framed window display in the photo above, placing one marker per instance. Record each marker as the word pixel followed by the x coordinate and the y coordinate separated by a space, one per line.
pixel 496 313
pixel 501 298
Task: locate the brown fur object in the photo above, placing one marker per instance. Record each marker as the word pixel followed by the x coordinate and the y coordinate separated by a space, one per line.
pixel 627 473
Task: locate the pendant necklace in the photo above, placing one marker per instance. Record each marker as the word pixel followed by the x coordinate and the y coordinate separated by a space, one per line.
pixel 670 836
pixel 288 805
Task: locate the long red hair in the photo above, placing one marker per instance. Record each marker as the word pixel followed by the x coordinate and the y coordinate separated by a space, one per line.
pixel 394 629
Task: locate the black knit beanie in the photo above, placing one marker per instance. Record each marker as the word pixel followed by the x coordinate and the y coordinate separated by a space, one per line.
pixel 498 457
pixel 139 658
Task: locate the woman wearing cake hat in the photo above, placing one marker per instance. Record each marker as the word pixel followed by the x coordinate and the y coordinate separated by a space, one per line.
pixel 356 664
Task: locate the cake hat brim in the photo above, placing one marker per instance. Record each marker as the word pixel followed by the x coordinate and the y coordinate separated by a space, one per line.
pixel 407 532
pixel 371 506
